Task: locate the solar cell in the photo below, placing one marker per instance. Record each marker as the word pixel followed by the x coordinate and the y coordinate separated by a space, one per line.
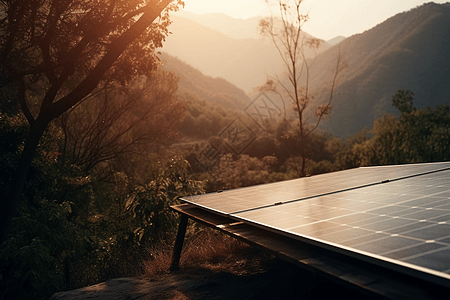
pixel 403 223
pixel 411 231
pixel 253 197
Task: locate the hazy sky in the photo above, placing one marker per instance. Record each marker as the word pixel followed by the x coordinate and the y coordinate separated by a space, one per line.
pixel 328 18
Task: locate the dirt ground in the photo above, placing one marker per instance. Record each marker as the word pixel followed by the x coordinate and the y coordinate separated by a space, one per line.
pixel 253 276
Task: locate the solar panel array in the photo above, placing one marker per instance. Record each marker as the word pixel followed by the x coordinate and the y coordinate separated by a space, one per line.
pixel 398 216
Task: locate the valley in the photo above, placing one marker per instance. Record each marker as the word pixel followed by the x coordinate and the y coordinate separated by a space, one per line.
pixel 407 51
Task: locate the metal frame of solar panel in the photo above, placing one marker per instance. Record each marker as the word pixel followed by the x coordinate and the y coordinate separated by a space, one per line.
pixel 397 217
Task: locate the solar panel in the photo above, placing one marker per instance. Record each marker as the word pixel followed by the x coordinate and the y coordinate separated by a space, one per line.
pixel 253 197
pixel 395 216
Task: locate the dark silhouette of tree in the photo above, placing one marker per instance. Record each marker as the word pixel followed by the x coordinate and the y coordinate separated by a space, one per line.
pixel 291 42
pixel 56 53
pixel 416 136
pixel 119 122
pixel 403 101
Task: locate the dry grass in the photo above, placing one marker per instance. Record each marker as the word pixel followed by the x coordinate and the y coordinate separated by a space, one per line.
pixel 158 261
pixel 207 249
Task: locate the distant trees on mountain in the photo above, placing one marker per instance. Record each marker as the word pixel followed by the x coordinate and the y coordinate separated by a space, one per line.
pixel 415 136
pixel 214 90
pixel 407 51
pixel 203 118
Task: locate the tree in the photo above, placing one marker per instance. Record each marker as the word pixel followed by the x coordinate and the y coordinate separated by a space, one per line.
pixel 73 229
pixel 56 53
pixel 417 135
pixel 120 121
pixel 352 152
pixel 32 261
pixel 403 101
pixel 291 42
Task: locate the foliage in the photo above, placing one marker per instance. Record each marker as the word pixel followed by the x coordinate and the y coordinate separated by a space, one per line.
pixel 243 170
pixel 291 43
pixel 13 131
pixel 60 28
pixel 351 152
pixel 50 47
pixel 204 119
pixel 284 141
pixel 216 91
pixel 129 217
pixel 55 55
pixel 72 224
pixel 99 189
pixel 406 51
pixel 32 259
pixel 120 121
pixel 58 53
pixel 416 136
pixel 403 101
pixel 320 167
pixel 150 204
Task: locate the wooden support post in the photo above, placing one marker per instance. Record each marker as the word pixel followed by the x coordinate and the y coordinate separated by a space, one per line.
pixel 67 273
pixel 179 243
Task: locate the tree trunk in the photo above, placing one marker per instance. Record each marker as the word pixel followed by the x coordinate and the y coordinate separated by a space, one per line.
pixel 12 199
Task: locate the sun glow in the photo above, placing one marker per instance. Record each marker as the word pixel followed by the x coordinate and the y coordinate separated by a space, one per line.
pixel 328 18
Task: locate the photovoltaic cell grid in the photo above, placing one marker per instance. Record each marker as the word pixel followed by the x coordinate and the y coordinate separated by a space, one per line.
pixel 403 222
pixel 236 200
pixel 397 220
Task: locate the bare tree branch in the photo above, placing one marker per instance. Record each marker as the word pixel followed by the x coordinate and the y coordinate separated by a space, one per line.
pixel 291 44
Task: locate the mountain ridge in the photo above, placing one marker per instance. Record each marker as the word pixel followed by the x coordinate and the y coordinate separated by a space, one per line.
pixel 407 51
pixel 232 27
pixel 243 62
pixel 235 27
pixel 214 90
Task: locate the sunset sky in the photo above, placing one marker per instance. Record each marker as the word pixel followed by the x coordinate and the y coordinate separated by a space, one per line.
pixel 328 18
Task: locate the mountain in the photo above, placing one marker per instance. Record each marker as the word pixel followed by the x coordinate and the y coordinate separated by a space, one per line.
pixel 214 90
pixel 234 28
pixel 407 51
pixel 237 28
pixel 245 62
pixel 336 40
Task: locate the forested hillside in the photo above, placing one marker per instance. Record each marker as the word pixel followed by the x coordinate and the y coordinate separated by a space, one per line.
pixel 203 119
pixel 214 90
pixel 409 50
pixel 245 62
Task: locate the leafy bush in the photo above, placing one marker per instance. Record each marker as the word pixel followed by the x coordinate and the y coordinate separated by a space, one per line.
pixel 418 135
pixel 45 236
pixel 33 258
pixel 150 204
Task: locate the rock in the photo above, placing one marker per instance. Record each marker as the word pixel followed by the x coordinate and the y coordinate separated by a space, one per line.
pixel 114 289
